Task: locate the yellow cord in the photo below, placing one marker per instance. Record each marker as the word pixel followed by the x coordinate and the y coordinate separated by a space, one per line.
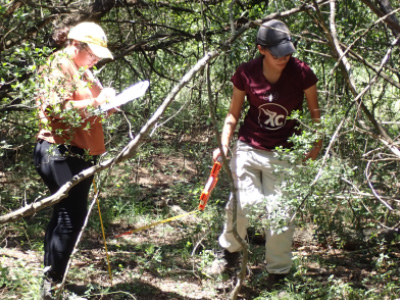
pixel 102 229
pixel 156 223
pixel 131 231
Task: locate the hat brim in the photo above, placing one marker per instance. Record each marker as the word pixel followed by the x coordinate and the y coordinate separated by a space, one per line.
pixel 100 51
pixel 282 49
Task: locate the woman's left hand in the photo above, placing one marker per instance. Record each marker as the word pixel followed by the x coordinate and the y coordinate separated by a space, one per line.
pixel 313 154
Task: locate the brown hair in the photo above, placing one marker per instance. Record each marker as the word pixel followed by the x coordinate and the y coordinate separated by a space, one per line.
pixel 60 33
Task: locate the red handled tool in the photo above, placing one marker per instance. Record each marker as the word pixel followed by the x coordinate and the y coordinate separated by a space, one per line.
pixel 210 185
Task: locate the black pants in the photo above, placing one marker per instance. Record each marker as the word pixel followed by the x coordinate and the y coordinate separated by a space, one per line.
pixel 57 164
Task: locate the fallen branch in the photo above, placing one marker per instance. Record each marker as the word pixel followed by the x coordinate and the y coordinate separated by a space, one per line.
pixel 126 153
pixel 131 148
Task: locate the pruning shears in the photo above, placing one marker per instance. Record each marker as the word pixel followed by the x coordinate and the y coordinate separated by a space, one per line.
pixel 211 182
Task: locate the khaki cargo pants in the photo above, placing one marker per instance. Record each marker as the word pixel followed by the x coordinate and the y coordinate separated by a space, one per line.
pixel 258 187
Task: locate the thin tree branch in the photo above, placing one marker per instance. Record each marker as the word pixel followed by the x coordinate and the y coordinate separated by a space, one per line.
pixel 126 153
pixel 347 67
pixel 392 23
pixel 347 72
pixel 367 177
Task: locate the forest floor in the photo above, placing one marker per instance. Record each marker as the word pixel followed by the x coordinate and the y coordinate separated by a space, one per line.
pixel 172 260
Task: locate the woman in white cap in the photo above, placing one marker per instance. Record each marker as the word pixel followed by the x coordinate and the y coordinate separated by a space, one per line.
pixel 274 84
pixel 70 137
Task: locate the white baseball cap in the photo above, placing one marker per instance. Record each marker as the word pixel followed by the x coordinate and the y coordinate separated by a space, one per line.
pixel 94 36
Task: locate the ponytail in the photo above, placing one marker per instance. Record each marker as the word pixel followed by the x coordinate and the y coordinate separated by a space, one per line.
pixel 60 34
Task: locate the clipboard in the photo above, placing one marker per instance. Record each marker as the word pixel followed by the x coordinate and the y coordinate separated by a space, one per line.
pixel 133 92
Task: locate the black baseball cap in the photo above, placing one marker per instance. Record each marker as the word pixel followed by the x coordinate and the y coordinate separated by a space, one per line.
pixel 275 36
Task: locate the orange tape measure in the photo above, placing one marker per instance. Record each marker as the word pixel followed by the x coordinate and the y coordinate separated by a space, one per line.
pixel 210 185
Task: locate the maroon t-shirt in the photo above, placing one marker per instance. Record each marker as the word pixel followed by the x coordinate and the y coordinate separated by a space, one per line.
pixel 266 125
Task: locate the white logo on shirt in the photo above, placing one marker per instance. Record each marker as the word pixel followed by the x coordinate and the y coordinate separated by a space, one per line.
pixel 272 116
pixel 274 96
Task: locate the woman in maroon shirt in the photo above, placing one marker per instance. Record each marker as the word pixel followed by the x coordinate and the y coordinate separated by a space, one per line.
pixel 275 85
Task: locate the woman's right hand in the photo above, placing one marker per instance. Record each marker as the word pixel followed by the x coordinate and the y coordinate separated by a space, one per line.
pixel 217 152
pixel 107 95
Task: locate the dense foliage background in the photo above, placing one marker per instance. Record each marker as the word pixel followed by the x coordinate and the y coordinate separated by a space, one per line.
pixel 347 200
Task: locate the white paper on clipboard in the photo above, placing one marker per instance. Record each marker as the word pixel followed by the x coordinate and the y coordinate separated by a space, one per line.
pixel 133 92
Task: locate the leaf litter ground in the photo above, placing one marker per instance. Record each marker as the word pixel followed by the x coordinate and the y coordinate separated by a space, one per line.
pixel 170 261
